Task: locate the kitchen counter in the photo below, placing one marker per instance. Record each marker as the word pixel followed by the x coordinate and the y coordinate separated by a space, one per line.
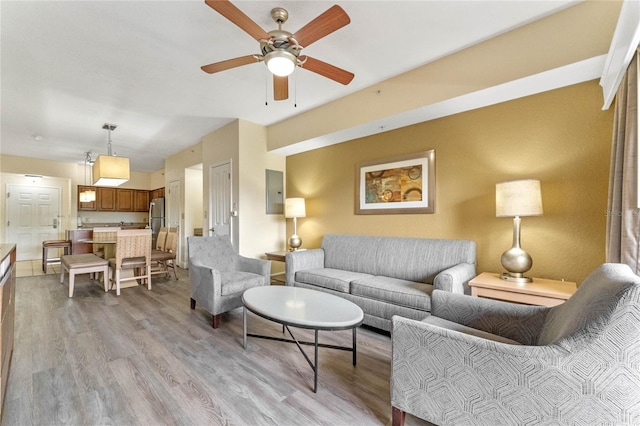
pixel 122 225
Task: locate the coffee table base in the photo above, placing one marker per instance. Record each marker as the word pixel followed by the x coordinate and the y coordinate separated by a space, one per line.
pixel 316 345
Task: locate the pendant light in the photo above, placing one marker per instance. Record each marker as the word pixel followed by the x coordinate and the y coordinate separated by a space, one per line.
pixel 109 170
pixel 89 194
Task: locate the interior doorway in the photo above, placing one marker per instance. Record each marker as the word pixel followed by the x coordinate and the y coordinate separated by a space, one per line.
pixel 33 216
pixel 174 214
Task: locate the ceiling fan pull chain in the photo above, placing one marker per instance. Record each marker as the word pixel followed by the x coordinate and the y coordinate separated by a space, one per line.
pixel 295 88
pixel 266 87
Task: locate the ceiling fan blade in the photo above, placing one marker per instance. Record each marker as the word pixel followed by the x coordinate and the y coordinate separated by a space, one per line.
pixel 331 20
pixel 228 64
pixel 238 17
pixel 326 70
pixel 280 88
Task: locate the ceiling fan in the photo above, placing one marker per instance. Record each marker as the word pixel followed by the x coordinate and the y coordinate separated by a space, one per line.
pixel 281 50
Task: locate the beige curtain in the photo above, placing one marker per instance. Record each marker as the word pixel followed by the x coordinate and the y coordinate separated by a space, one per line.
pixel 623 221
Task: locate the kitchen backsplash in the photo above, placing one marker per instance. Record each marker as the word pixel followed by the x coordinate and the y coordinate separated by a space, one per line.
pixel 89 218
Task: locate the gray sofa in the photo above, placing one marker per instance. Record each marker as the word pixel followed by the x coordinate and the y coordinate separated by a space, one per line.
pixel 385 276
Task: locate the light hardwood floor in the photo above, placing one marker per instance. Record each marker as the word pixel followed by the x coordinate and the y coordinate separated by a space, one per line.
pixel 145 358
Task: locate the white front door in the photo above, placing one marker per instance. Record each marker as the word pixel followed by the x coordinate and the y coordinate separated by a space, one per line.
pixel 220 199
pixel 33 216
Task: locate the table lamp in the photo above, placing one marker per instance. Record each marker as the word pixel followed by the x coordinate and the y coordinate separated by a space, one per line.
pixel 515 199
pixel 294 208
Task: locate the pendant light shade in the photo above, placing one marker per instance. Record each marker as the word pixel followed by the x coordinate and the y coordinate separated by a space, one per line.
pixel 109 170
pixel 89 194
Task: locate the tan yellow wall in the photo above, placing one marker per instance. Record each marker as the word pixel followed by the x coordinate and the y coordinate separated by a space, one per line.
pixel 560 137
pixel 579 32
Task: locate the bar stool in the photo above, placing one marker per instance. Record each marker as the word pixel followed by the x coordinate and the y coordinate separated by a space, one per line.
pixel 57 244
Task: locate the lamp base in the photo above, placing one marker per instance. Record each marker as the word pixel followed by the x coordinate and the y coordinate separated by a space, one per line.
pixel 295 242
pixel 519 278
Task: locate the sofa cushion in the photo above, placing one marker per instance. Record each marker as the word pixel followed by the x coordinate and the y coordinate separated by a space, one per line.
pixel 399 292
pixel 450 325
pixel 421 259
pixel 351 252
pixel 333 279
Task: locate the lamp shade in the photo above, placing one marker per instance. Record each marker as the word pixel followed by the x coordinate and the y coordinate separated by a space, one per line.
pixel 518 198
pixel 110 171
pixel 294 207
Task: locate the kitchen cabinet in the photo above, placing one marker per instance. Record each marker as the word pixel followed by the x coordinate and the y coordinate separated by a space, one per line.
pixel 76 236
pixel 141 200
pixel 118 199
pixel 124 200
pixel 106 199
pixel 88 206
pixel 7 311
pixel 157 193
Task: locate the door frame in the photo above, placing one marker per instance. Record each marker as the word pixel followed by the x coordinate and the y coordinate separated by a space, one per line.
pixel 7 217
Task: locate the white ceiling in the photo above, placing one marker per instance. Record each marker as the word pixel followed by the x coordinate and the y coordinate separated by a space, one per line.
pixel 68 67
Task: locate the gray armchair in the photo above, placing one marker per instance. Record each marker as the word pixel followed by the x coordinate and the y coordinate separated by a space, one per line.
pixel 484 362
pixel 219 276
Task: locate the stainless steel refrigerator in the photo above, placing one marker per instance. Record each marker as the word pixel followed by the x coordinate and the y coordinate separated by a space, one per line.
pixel 156 218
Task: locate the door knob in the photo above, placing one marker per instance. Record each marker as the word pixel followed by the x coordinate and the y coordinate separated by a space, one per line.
pixel 55 223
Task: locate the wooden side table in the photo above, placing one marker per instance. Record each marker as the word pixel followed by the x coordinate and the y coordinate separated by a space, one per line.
pixel 539 292
pixel 278 256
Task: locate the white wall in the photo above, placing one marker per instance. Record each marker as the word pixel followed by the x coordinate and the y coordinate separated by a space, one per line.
pixel 193 208
pixel 259 232
pixel 66 176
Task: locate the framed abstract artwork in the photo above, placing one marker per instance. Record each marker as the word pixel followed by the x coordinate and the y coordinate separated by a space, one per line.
pixel 398 185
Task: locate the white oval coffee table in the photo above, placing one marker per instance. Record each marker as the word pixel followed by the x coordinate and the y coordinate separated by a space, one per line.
pixel 302 308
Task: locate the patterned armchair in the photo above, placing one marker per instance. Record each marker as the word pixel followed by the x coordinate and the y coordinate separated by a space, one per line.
pixel 484 362
pixel 219 276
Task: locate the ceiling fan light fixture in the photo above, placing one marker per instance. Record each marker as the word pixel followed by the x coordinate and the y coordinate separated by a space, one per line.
pixel 280 62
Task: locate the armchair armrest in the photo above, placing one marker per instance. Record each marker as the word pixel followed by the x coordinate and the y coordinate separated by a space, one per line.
pixel 255 266
pixel 435 372
pixel 456 278
pixel 522 323
pixel 205 283
pixel 301 260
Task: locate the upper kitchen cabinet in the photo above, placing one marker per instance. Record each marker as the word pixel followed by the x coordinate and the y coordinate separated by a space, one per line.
pixel 141 201
pixel 157 193
pixel 116 199
pixel 89 205
pixel 124 200
pixel 106 199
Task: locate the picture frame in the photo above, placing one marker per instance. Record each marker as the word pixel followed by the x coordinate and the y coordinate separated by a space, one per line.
pixel 404 184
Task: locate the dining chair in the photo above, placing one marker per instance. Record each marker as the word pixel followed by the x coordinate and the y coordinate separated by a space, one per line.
pixel 162 260
pixel 103 238
pixel 133 252
pixel 160 242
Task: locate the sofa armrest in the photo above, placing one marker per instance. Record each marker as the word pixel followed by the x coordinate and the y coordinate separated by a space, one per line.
pixel 522 323
pixel 456 278
pixel 301 260
pixel 205 283
pixel 255 266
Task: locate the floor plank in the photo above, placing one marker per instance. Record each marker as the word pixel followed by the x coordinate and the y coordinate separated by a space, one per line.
pixel 147 358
